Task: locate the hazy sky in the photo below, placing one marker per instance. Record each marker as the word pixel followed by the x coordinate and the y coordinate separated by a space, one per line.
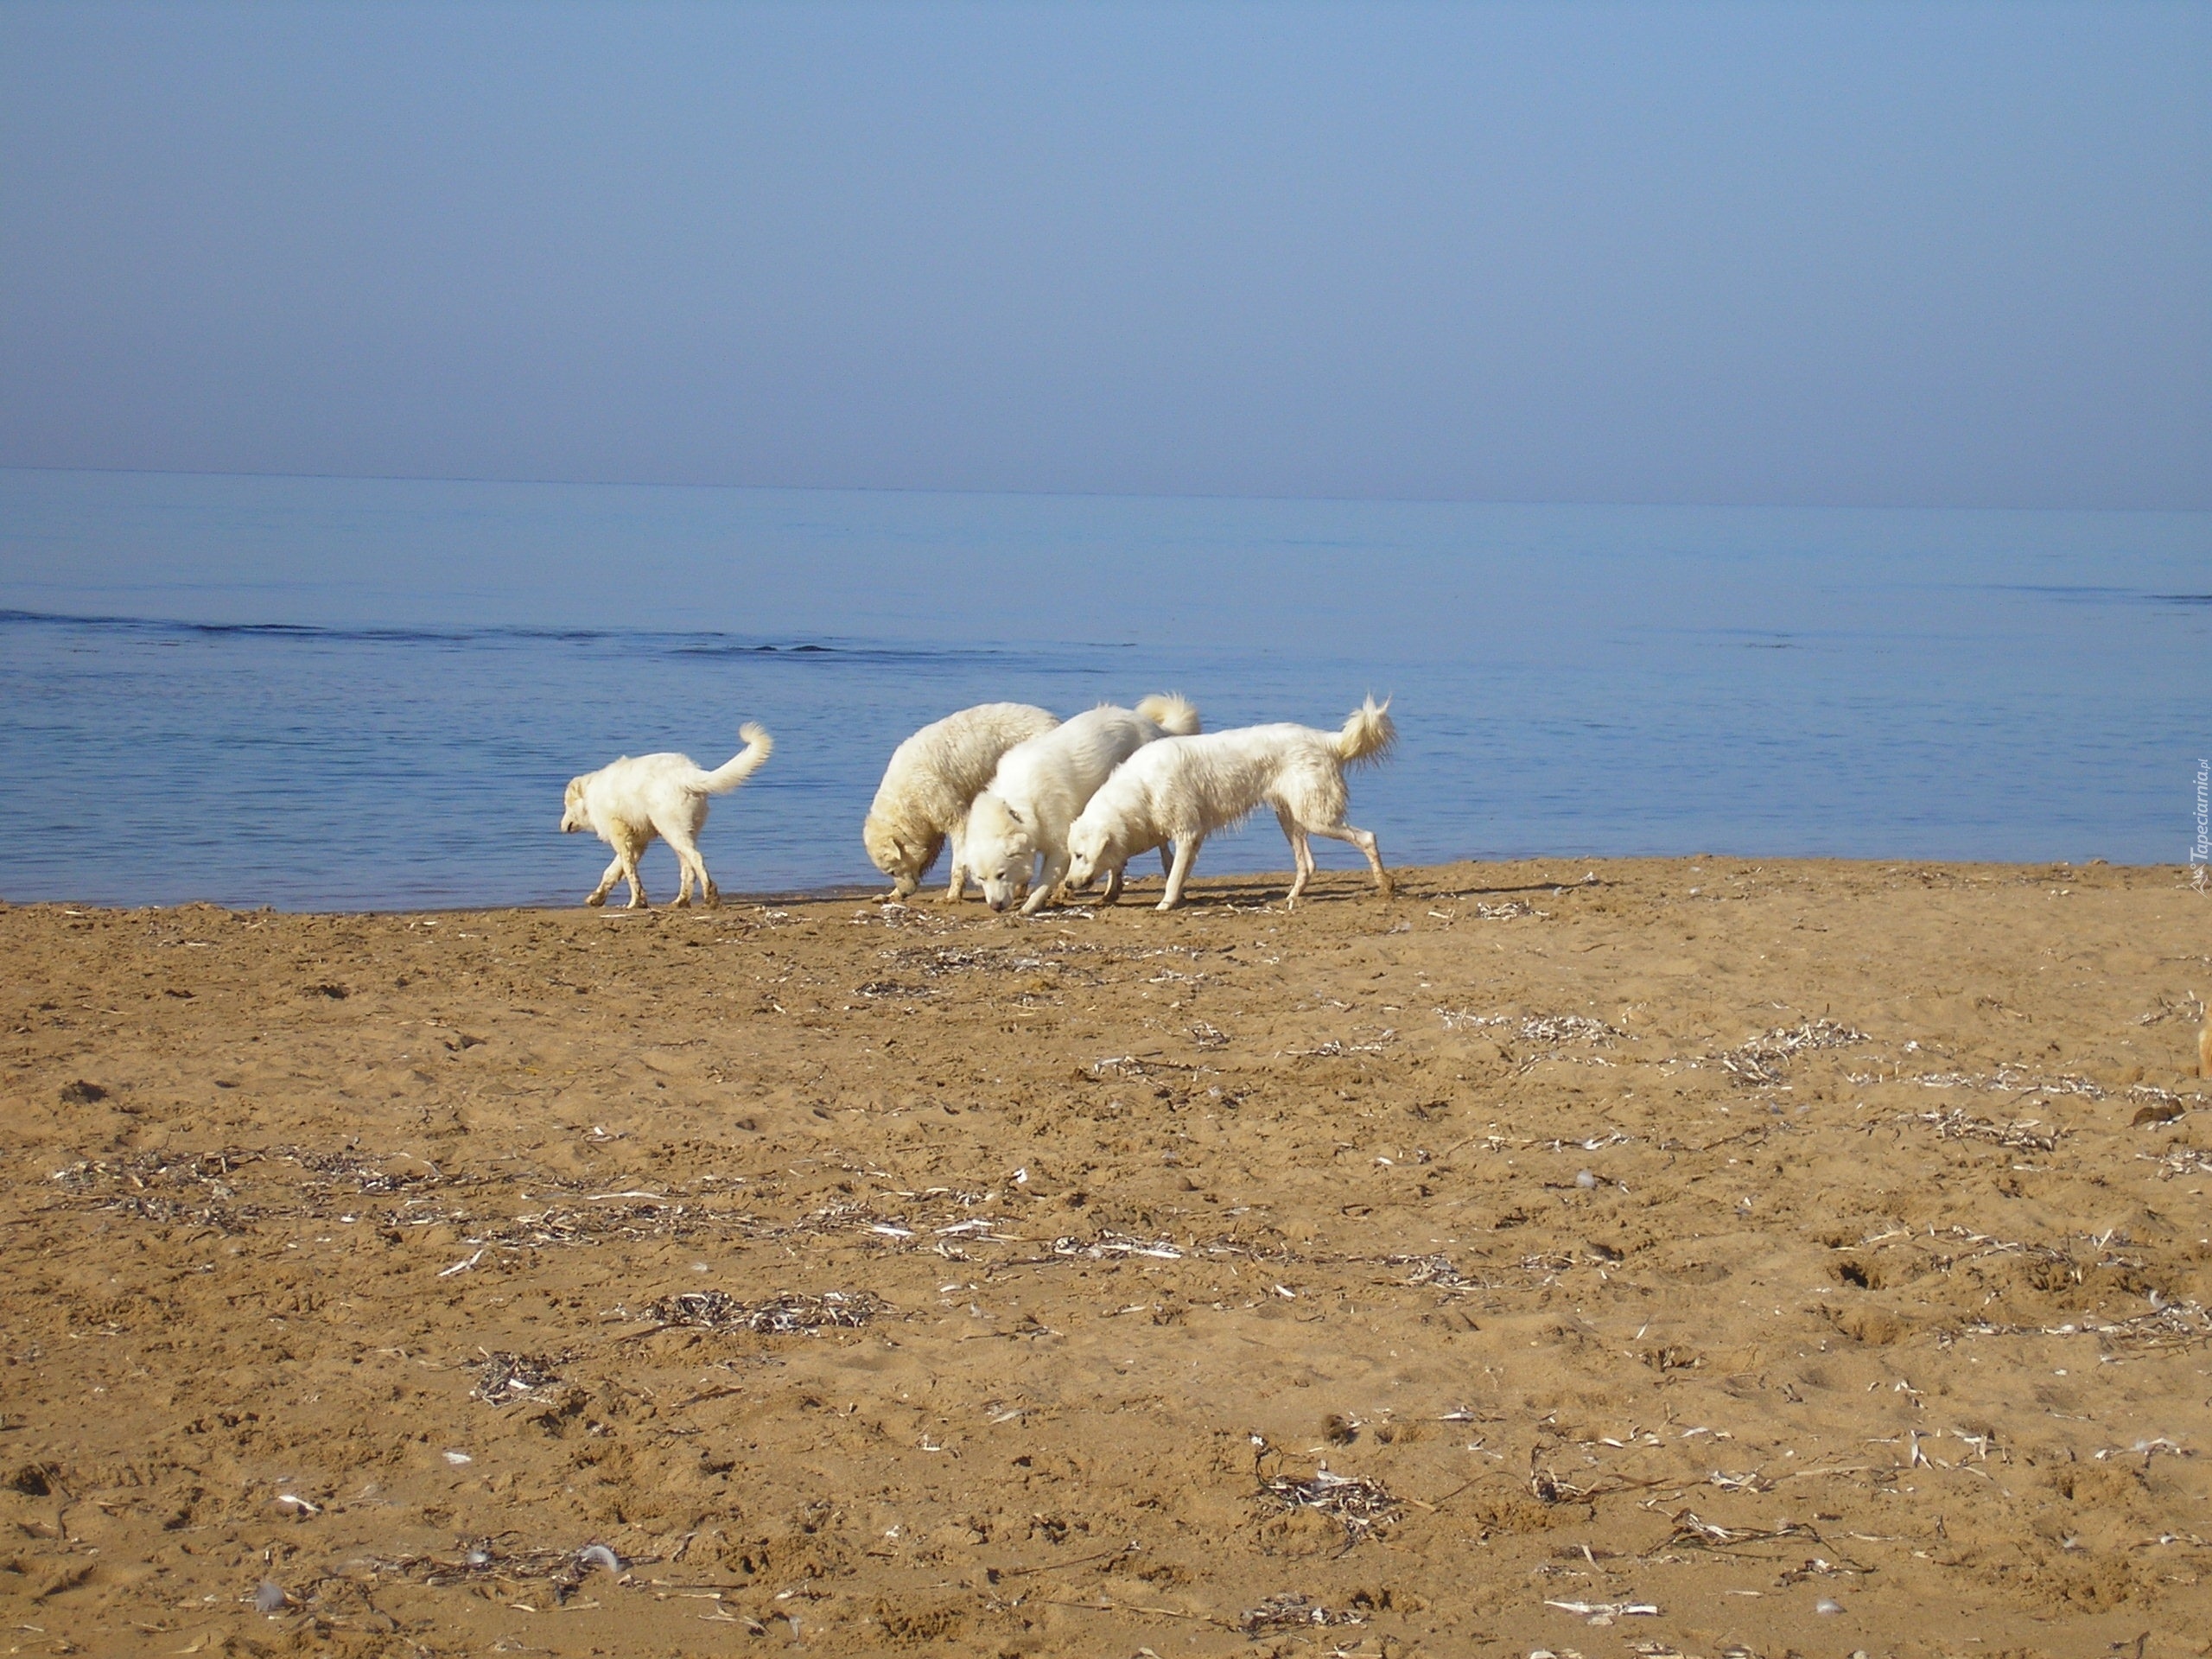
pixel 1860 253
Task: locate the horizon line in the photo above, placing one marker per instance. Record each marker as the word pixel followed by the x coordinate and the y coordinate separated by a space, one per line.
pixel 1071 494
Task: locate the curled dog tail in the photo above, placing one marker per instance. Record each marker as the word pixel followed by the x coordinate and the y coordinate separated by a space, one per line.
pixel 1171 714
pixel 759 745
pixel 1369 733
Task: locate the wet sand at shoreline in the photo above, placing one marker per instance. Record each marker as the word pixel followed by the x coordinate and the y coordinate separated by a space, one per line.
pixel 1711 1256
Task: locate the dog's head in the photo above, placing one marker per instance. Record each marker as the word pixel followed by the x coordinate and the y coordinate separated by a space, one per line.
pixel 574 815
pixel 898 852
pixel 1001 850
pixel 1091 852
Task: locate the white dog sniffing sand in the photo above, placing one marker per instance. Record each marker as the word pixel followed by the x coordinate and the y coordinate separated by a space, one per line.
pixel 1039 787
pixel 1184 788
pixel 933 779
pixel 629 801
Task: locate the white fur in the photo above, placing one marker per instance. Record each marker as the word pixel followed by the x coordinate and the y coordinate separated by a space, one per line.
pixel 1184 788
pixel 628 803
pixel 1041 785
pixel 933 778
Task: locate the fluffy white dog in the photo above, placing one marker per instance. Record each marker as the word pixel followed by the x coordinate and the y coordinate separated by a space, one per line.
pixel 627 804
pixel 933 778
pixel 1184 788
pixel 1043 783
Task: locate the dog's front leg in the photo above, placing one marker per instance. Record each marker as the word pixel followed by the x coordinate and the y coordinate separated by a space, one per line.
pixel 1187 853
pixel 958 889
pixel 597 896
pixel 637 899
pixel 1048 886
pixel 1113 885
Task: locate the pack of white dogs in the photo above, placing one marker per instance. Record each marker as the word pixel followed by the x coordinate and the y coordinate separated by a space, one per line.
pixel 1036 809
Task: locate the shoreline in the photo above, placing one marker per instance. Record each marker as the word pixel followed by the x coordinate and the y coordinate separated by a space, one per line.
pixel 933 889
pixel 1739 1239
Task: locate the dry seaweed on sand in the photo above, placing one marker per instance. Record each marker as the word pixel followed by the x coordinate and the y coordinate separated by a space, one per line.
pixel 1360 1505
pixel 504 1378
pixel 2180 1160
pixel 1467 1020
pixel 1108 1245
pixel 2169 1324
pixel 2006 1079
pixel 1566 1028
pixel 1288 1610
pixel 1763 1058
pixel 492 1560
pixel 783 1315
pixel 1437 1270
pixel 2027 1135
pixel 1692 1531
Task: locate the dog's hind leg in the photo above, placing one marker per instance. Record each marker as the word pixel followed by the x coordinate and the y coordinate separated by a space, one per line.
pixel 1365 839
pixel 1301 852
pixel 689 864
pixel 1187 853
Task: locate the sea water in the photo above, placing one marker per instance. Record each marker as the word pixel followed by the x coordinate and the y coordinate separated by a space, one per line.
pixel 318 693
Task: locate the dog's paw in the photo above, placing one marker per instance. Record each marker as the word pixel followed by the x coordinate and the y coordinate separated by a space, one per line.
pixel 594 899
pixel 682 901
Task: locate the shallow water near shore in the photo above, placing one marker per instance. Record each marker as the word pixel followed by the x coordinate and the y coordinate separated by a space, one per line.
pixel 337 694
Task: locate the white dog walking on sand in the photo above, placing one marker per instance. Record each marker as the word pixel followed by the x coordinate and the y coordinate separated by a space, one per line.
pixel 933 779
pixel 1183 789
pixel 628 803
pixel 1041 785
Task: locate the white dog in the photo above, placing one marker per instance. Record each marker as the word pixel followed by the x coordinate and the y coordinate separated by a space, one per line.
pixel 933 778
pixel 627 804
pixel 1184 788
pixel 1043 783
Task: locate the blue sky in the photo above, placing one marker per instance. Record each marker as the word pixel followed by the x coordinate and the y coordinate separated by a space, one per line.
pixel 1860 254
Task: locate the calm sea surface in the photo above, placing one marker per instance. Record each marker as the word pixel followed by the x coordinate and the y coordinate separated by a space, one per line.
pixel 367 694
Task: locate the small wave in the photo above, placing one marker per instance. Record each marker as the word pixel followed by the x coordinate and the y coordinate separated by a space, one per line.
pixel 687 643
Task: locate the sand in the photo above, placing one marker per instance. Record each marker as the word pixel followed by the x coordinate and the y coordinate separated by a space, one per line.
pixel 1704 1257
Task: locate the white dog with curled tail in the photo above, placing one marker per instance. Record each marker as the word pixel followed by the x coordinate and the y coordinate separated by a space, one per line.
pixel 933 779
pixel 629 801
pixel 1183 789
pixel 1023 816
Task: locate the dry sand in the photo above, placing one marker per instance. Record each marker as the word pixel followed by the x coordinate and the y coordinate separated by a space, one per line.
pixel 1790 1256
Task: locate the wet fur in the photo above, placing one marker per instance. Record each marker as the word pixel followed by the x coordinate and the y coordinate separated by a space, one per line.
pixel 630 801
pixel 1021 820
pixel 1184 789
pixel 933 779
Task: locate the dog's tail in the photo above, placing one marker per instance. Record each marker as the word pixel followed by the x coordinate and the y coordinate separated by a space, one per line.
pixel 1367 733
pixel 759 745
pixel 1171 714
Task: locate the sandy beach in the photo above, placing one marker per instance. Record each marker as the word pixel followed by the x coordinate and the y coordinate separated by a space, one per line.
pixel 1695 1258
